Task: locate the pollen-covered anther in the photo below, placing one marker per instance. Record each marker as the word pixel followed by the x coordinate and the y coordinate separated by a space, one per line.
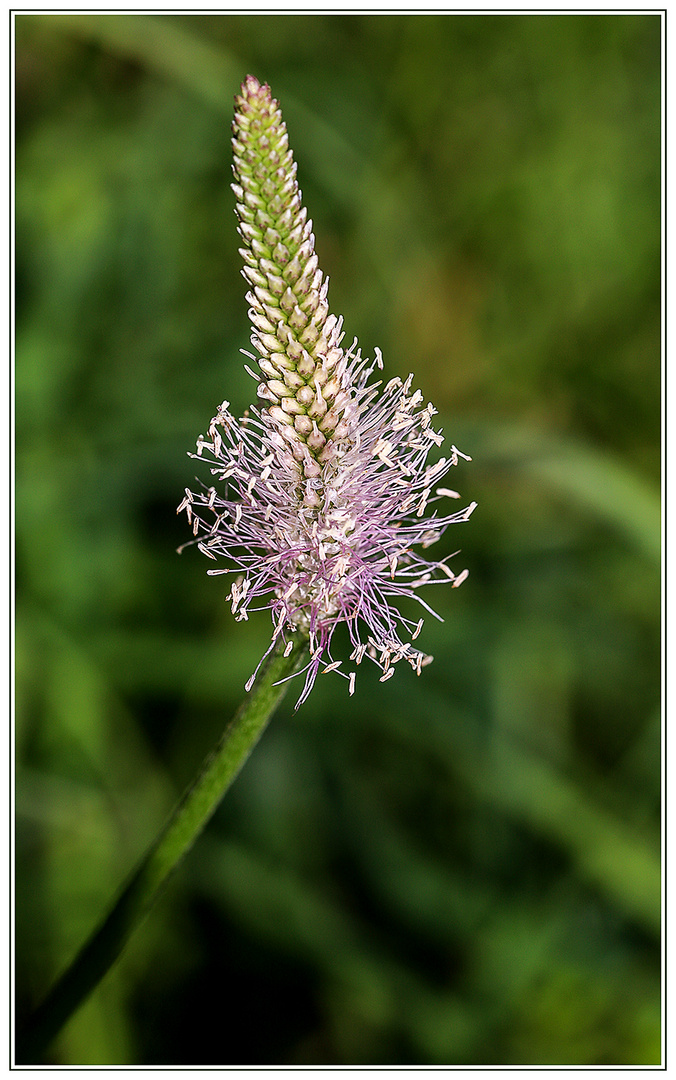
pixel 187 499
pixel 382 449
pixel 423 502
pixel 458 454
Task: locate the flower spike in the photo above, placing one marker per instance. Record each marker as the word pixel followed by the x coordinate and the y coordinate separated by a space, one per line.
pixel 323 489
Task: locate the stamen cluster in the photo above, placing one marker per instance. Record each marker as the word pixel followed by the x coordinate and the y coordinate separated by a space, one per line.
pixel 322 491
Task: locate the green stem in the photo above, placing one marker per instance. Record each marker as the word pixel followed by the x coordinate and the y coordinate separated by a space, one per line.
pixel 176 838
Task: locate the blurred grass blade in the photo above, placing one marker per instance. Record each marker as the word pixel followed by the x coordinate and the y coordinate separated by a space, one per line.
pixel 591 477
pixel 619 859
pixel 622 862
pixel 605 486
pixel 164 47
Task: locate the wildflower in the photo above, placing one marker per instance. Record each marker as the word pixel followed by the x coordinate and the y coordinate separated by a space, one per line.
pixel 322 490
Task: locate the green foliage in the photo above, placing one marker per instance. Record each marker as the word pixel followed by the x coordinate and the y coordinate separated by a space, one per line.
pixel 458 869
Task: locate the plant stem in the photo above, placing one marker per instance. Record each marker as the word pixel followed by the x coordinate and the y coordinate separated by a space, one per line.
pixel 174 840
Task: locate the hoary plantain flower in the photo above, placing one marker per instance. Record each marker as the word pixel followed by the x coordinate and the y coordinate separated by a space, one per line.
pixel 318 505
pixel 321 493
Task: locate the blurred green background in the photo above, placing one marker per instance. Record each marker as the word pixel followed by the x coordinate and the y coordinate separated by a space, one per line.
pixel 458 869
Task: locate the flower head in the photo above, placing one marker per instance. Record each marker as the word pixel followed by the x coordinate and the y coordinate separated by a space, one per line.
pixel 322 490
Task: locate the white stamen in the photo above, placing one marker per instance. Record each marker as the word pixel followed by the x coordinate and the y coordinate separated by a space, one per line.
pixel 458 453
pixel 423 502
